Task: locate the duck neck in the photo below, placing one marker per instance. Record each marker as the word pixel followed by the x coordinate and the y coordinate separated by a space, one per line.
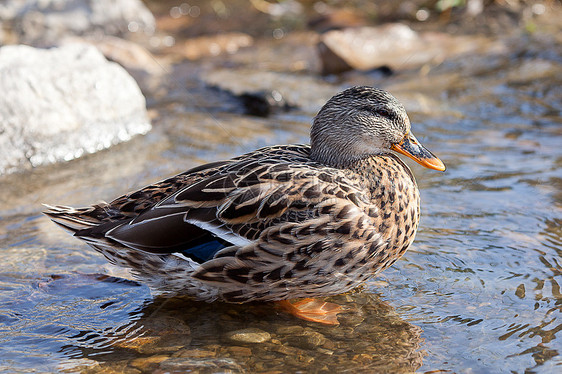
pixel 343 158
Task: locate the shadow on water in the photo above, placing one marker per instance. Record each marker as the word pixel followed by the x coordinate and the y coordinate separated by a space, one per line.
pixel 115 325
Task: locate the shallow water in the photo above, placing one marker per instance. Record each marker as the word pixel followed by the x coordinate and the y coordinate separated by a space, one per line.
pixel 478 292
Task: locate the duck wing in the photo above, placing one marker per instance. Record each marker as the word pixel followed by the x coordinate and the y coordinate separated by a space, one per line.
pixel 233 206
pixel 326 254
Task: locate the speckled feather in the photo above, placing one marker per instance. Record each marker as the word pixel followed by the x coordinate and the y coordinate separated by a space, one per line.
pixel 292 225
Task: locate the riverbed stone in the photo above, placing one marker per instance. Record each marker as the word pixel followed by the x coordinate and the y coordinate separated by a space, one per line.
pixel 212 45
pixel 290 330
pixel 393 45
pixel 195 353
pixel 200 365
pixel 61 103
pixel 143 363
pixel 249 335
pixel 308 339
pixel 278 89
pixel 239 351
pixel 45 22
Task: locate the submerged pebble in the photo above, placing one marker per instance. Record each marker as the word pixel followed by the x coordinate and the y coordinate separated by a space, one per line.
pixel 250 335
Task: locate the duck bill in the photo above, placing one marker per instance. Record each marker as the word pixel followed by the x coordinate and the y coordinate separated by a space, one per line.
pixel 409 146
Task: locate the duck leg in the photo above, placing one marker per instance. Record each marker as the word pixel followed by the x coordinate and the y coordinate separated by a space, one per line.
pixel 312 310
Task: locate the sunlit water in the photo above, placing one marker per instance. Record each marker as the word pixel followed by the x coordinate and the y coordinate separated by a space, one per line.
pixel 479 291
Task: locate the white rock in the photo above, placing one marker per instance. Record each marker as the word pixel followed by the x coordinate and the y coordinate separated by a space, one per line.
pixel 58 104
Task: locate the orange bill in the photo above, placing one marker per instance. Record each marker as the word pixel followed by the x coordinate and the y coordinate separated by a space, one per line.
pixel 409 146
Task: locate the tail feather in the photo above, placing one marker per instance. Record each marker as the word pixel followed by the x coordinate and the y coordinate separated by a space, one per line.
pixel 71 219
pixel 168 274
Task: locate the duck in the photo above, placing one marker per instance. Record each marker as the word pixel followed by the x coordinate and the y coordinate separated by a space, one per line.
pixel 290 224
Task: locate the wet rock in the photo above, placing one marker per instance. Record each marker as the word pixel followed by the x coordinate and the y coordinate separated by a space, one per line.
pixel 286 350
pixel 339 18
pixel 262 104
pixel 144 67
pixel 144 363
pixel 61 103
pixel 212 45
pixel 520 291
pixel 240 351
pixel 294 52
pixel 172 334
pixel 286 89
pixel 308 339
pixel 138 343
pixel 395 46
pixel 325 351
pixel 195 353
pixel 250 335
pixel 531 70
pixel 290 330
pixel 201 365
pixel 161 334
pixel 93 367
pixel 132 56
pixel 351 319
pixel 43 23
pixel 364 48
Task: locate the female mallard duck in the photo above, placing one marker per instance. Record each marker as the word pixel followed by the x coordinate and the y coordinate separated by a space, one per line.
pixel 282 222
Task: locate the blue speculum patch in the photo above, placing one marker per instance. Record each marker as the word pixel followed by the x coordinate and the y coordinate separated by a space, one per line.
pixel 205 251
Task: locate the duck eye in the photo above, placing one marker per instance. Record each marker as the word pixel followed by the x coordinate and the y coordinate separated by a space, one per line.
pixel 383 112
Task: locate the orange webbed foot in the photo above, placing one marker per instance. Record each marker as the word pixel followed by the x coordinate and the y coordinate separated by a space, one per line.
pixel 313 310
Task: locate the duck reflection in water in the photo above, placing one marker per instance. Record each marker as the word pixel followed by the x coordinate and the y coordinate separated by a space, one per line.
pixel 179 334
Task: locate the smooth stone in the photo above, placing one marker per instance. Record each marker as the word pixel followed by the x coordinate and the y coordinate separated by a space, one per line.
pixel 201 365
pixel 286 350
pixel 194 353
pixel 239 351
pixel 290 330
pixel 138 343
pixel 165 325
pixel 143 363
pixel 172 334
pixel 166 344
pixel 307 340
pixel 250 335
pixel 114 367
pixel 61 103
pixel 392 45
pixel 365 48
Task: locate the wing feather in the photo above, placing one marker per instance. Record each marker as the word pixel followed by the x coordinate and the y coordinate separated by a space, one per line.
pixel 241 201
pixel 283 251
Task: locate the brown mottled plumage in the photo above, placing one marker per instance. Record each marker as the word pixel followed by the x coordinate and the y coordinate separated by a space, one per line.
pixel 281 222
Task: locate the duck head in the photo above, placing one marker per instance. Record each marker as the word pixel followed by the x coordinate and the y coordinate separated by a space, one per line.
pixel 361 122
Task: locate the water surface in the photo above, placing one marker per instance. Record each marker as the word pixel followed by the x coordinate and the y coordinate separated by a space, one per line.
pixel 478 292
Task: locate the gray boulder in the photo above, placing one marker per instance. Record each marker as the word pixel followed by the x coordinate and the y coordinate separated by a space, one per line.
pixel 44 22
pixel 58 104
